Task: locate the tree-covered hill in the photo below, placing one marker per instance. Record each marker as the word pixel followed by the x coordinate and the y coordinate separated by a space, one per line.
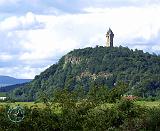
pixel 99 66
pixel 11 87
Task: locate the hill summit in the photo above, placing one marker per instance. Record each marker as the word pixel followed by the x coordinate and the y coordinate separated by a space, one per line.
pixel 101 66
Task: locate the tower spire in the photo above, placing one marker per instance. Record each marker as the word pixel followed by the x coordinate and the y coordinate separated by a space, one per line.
pixel 109 37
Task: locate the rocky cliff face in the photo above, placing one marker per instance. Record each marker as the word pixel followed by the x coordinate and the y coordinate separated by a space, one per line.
pixel 93 76
pixel 72 59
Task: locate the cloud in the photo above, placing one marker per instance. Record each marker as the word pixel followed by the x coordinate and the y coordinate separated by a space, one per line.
pixel 30 42
pixel 21 7
pixel 5 57
pixel 21 71
pixel 28 21
pixel 59 7
pixel 4 2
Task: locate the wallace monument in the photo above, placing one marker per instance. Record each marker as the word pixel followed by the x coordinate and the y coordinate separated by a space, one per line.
pixel 109 37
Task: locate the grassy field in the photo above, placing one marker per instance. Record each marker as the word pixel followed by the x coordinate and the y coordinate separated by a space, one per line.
pixel 148 103
pixel 2 94
pixel 103 106
pixel 28 104
pixel 141 103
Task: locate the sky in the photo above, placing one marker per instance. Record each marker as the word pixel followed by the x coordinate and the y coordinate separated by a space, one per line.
pixel 35 34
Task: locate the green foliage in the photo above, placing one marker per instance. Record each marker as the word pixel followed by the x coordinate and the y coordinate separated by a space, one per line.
pixel 153 119
pixel 83 114
pixel 102 66
pixel 98 94
pixel 133 116
pixel 117 92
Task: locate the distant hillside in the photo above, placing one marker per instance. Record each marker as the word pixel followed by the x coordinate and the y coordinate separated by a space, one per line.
pixel 7 80
pixel 11 87
pixel 98 66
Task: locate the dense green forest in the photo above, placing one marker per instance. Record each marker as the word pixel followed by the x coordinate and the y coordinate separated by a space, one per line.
pixel 11 87
pixel 101 67
pixel 69 111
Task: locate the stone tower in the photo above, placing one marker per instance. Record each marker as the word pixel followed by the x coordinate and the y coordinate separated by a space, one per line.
pixel 110 37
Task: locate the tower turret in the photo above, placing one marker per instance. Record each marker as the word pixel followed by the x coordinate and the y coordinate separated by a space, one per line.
pixel 109 37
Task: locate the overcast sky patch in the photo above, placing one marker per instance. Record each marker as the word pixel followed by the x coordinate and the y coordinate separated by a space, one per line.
pixel 34 34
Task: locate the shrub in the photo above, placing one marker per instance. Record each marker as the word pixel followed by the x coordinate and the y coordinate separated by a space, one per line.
pixel 153 119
